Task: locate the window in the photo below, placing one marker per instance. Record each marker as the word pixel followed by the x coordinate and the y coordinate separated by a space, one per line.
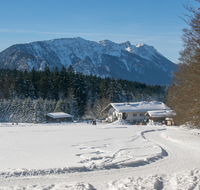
pixel 134 121
pixel 141 114
pixel 124 116
pixel 135 115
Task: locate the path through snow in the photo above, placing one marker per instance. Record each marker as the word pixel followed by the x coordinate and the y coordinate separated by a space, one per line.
pixel 100 157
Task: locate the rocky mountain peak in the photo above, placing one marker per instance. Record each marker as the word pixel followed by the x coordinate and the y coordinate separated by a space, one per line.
pixel 141 63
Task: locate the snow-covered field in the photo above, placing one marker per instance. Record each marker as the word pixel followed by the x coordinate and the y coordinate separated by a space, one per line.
pixel 103 156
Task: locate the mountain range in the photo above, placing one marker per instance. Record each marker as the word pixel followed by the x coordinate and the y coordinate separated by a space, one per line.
pixel 142 63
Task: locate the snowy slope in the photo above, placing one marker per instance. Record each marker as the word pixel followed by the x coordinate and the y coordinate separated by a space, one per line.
pixel 141 63
pixel 114 156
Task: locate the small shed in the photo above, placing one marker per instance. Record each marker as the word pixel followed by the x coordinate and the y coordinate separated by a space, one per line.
pixel 58 117
pixel 169 121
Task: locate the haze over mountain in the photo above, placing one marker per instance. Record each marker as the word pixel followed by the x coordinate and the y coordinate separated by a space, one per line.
pixel 142 63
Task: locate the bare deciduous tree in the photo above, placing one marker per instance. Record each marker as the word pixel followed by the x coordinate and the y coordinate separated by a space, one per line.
pixel 184 94
pixel 99 105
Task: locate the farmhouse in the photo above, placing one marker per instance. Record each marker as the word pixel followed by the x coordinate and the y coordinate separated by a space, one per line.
pixel 58 117
pixel 134 112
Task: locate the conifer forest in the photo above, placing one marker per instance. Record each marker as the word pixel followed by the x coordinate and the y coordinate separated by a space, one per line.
pixel 28 96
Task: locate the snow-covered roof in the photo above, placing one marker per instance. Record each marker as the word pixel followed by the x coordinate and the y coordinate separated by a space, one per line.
pixel 161 113
pixel 58 115
pixel 143 106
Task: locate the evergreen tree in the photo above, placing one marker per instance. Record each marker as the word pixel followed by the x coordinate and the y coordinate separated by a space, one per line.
pixel 26 84
pixel 73 105
pixel 1 111
pixel 2 82
pixel 6 107
pixel 119 93
pixel 113 92
pixel 63 83
pixel 103 88
pixel 93 88
pixel 49 106
pixel 33 88
pixel 52 105
pixel 46 84
pixel 16 110
pixel 55 88
pixel 62 106
pixel 19 84
pixel 126 95
pixel 38 111
pixel 71 78
pixel 46 106
pixel 80 93
pixel 27 111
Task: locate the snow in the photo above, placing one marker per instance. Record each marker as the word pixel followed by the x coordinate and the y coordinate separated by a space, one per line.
pixel 146 51
pixel 129 49
pixel 127 65
pixel 103 156
pixel 58 115
pixel 120 122
pixel 107 68
pixel 140 106
pixel 161 113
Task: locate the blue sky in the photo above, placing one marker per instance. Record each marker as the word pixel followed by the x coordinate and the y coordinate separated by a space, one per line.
pixel 154 22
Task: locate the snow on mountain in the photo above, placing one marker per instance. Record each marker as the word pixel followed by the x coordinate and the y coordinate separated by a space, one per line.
pixel 141 63
pixel 147 52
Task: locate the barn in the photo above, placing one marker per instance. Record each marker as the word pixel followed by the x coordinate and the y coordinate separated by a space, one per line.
pixel 58 117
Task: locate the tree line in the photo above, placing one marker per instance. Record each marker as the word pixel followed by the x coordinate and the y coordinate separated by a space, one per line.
pixel 82 95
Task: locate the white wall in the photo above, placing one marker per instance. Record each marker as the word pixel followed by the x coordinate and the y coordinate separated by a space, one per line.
pixel 136 116
pixel 111 113
pixel 132 117
pixel 111 110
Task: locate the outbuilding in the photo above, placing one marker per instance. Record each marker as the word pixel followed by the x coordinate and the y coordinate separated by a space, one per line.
pixel 161 115
pixel 58 117
pixel 169 121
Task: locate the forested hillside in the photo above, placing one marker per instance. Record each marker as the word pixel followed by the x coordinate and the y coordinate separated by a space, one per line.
pixel 28 96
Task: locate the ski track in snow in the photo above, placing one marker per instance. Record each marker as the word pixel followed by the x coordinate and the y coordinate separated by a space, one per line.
pixel 173 165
